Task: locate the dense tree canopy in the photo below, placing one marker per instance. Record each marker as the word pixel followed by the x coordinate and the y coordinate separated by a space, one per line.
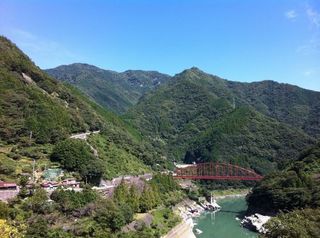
pixel 296 187
pixel 76 155
pixel 294 191
pixel 69 201
pixel 296 224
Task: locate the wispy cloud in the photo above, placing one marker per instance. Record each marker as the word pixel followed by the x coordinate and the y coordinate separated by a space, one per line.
pixel 291 14
pixel 47 52
pixel 311 46
pixel 32 42
pixel 309 72
pixel 23 34
pixel 313 16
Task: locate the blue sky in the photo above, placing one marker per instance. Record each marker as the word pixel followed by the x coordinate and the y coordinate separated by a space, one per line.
pixel 245 40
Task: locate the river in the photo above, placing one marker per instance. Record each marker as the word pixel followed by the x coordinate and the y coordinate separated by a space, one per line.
pixel 223 224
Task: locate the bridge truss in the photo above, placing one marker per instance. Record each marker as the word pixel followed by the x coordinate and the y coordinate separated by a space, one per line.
pixel 216 171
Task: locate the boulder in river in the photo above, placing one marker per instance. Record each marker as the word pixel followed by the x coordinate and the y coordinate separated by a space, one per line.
pixel 255 222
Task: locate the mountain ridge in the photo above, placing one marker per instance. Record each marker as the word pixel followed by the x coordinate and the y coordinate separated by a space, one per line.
pixel 179 112
pixel 190 113
pixel 116 91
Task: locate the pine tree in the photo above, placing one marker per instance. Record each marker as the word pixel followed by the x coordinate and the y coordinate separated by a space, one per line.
pixel 121 193
pixel 148 199
pixel 134 199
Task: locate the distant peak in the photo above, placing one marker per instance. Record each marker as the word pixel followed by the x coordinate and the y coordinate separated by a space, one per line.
pixel 193 72
pixel 82 65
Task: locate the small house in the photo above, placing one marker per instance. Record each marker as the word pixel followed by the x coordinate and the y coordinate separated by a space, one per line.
pixel 8 186
pixel 8 190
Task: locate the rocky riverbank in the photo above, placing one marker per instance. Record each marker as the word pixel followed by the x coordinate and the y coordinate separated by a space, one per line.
pixel 254 222
pixel 182 230
pixel 187 209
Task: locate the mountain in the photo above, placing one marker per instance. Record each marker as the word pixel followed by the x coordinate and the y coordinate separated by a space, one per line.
pixel 180 110
pixel 287 103
pixel 37 111
pixel 31 101
pixel 201 117
pixel 248 138
pixel 193 116
pixel 113 90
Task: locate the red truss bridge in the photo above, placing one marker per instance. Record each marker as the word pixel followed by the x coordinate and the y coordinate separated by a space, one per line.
pixel 215 171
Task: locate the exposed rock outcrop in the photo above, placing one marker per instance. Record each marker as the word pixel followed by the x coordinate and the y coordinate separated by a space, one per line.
pixel 255 222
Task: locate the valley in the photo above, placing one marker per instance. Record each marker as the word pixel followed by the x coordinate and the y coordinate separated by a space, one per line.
pixel 88 152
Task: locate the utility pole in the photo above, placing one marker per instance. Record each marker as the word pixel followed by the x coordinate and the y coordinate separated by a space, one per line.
pixel 30 137
pixel 233 103
pixel 33 166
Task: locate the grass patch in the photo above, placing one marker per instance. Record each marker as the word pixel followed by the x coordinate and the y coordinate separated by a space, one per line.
pixel 164 220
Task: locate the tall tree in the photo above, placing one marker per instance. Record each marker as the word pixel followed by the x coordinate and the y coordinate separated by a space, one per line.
pixel 148 198
pixel 134 198
pixel 121 193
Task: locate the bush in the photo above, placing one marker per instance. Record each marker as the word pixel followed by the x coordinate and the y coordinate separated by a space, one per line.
pixel 4 210
pixel 110 216
pixel 38 202
pixel 69 201
pixel 38 227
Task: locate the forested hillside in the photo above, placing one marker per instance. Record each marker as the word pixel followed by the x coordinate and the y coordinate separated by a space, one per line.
pixel 115 91
pixel 37 112
pixel 248 138
pixel 193 116
pixel 286 103
pixel 177 112
pixel 295 191
pixel 200 117
pixel 33 102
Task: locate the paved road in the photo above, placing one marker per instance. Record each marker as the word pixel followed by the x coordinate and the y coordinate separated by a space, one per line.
pixel 83 136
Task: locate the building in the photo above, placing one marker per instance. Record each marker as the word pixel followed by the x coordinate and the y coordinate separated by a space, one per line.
pixel 7 186
pixel 66 183
pixel 50 185
pixel 8 190
pixel 70 182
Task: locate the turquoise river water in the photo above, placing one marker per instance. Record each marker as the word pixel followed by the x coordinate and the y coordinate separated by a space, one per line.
pixel 223 224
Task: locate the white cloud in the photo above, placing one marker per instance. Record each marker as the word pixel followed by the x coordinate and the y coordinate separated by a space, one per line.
pixel 309 72
pixel 313 16
pixel 291 14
